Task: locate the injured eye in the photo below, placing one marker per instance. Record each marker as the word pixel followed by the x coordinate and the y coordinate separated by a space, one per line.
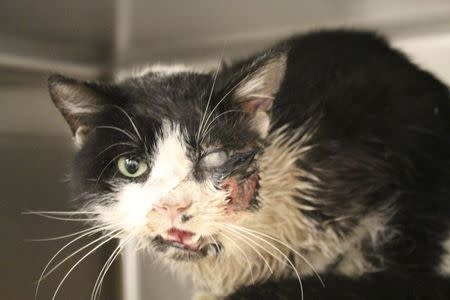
pixel 131 167
pixel 214 159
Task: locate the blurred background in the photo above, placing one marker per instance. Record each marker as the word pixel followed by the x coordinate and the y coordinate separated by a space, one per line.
pixel 96 40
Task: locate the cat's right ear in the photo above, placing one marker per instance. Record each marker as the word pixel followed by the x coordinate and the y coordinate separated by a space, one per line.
pixel 78 102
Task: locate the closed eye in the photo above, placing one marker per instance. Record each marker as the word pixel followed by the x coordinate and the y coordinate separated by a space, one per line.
pixel 214 159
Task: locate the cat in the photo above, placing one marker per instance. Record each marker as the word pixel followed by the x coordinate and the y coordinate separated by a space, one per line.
pixel 316 169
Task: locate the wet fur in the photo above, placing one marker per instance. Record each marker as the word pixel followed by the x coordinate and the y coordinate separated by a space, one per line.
pixel 352 153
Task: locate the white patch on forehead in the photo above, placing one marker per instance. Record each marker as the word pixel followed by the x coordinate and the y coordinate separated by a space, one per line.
pixel 171 164
pixel 164 70
pixel 444 267
pixel 168 69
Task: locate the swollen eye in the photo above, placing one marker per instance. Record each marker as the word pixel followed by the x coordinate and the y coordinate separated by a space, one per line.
pixel 214 159
pixel 131 167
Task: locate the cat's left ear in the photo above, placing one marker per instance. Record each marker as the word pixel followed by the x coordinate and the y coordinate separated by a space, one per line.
pixel 257 90
pixel 78 102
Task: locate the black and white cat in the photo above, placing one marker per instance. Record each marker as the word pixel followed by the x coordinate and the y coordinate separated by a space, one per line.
pixel 325 159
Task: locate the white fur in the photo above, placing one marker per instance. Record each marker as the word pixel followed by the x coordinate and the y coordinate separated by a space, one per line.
pixel 252 259
pixel 162 70
pixel 169 180
pixel 171 164
pixel 135 200
pixel 280 217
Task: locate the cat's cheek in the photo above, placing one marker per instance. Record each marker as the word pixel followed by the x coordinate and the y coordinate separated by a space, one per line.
pixel 240 195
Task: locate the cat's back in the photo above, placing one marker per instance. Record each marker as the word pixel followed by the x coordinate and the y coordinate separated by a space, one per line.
pixel 371 103
pixel 357 77
pixel 382 137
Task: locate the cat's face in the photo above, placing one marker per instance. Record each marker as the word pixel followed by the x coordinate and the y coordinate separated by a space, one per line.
pixel 171 159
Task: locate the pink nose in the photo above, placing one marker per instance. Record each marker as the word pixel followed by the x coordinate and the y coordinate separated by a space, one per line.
pixel 172 208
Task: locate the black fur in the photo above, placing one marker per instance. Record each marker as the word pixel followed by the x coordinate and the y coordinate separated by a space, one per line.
pixel 382 140
pixel 384 133
pixel 386 286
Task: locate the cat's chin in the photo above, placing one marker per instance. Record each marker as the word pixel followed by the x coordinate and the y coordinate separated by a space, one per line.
pixel 179 251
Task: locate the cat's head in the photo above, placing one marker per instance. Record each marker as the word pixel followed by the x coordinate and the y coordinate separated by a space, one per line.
pixel 171 158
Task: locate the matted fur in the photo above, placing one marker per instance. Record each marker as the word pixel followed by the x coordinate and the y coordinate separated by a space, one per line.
pixel 321 160
pixel 281 216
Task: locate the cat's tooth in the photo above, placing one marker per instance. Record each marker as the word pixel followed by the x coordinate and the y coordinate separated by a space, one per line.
pixel 178 245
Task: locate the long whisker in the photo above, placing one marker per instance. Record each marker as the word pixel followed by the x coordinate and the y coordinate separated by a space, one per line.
pixel 31 212
pixel 223 99
pixel 92 231
pixel 62 219
pixel 125 132
pixel 79 261
pixel 208 127
pixel 209 98
pixel 287 246
pixel 99 281
pixel 78 251
pixel 60 237
pixel 130 119
pixel 243 254
pixel 114 145
pixel 285 257
pixel 98 288
pixel 255 243
pixel 251 246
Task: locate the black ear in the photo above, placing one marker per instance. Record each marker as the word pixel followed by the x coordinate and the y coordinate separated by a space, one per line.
pixel 78 102
pixel 258 88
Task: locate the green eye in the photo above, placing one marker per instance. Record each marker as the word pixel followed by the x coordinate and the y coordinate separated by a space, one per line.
pixel 131 167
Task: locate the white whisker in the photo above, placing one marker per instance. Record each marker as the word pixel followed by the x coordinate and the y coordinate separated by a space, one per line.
pixel 30 212
pixel 243 254
pixel 287 246
pixel 79 261
pixel 78 251
pixel 114 145
pixel 208 127
pixel 60 237
pixel 284 256
pixel 99 281
pixel 131 121
pixel 221 100
pixel 209 99
pixel 125 132
pixel 251 246
pixel 63 219
pixel 41 277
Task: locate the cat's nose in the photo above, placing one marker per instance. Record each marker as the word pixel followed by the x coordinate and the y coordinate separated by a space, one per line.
pixel 172 208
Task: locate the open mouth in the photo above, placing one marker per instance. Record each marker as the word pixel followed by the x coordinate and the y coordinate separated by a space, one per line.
pixel 181 239
pixel 183 245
